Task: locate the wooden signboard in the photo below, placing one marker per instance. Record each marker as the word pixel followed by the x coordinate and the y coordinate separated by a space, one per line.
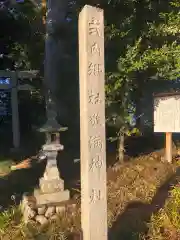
pixel 167 118
pixel 167 113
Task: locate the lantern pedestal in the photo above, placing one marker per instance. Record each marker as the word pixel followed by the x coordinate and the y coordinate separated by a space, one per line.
pixel 48 200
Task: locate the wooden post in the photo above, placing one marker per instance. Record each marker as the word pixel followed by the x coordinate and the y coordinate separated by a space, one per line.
pixel 168 151
pixel 14 88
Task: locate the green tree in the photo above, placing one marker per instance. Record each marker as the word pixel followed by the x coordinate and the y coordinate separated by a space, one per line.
pixel 22 35
pixel 141 44
pixel 149 35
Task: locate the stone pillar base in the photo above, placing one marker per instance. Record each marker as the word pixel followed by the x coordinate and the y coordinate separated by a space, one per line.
pixel 44 204
pixel 51 185
pixel 41 207
pixel 51 199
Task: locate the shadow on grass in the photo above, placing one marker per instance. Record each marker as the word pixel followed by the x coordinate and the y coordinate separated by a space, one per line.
pixel 18 182
pixel 133 221
pixel 70 169
pixel 23 180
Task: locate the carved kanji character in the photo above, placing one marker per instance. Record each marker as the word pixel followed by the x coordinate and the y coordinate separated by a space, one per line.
pixel 95 49
pixel 94 69
pixel 94 27
pixel 94 119
pixel 94 98
pixel 95 195
pixel 95 142
pixel 96 162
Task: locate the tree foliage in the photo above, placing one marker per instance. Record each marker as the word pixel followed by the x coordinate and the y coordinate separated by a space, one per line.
pixel 141 44
pixel 148 43
pixel 22 36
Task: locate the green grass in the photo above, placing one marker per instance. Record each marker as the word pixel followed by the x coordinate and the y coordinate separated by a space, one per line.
pixel 9 220
pixel 165 225
pixel 13 228
pixel 132 189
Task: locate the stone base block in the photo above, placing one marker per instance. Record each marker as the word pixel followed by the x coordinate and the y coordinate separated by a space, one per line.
pixel 44 212
pixel 51 186
pixel 51 198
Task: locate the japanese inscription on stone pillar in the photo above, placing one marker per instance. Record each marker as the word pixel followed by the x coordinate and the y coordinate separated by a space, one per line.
pixel 92 111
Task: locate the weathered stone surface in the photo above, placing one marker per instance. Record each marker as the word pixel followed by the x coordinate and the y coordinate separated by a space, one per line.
pixel 116 168
pixel 42 210
pixel 29 213
pixel 36 192
pixel 43 214
pixel 92 124
pixel 51 191
pixel 71 207
pixel 52 147
pixel 53 198
pixel 54 217
pixel 28 200
pixel 60 209
pixel 50 212
pixel 51 173
pixel 51 186
pixel 41 219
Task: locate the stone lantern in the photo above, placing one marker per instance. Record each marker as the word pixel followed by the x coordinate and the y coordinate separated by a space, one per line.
pixel 51 185
pixel 46 200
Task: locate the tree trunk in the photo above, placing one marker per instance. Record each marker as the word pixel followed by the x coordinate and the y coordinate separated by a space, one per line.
pixel 54 52
pixel 121 148
pixel 137 114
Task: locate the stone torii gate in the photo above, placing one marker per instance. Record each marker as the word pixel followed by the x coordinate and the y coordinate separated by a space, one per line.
pixel 12 85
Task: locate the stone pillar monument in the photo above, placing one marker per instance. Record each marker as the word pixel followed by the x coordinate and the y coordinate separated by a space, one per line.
pixel 92 125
